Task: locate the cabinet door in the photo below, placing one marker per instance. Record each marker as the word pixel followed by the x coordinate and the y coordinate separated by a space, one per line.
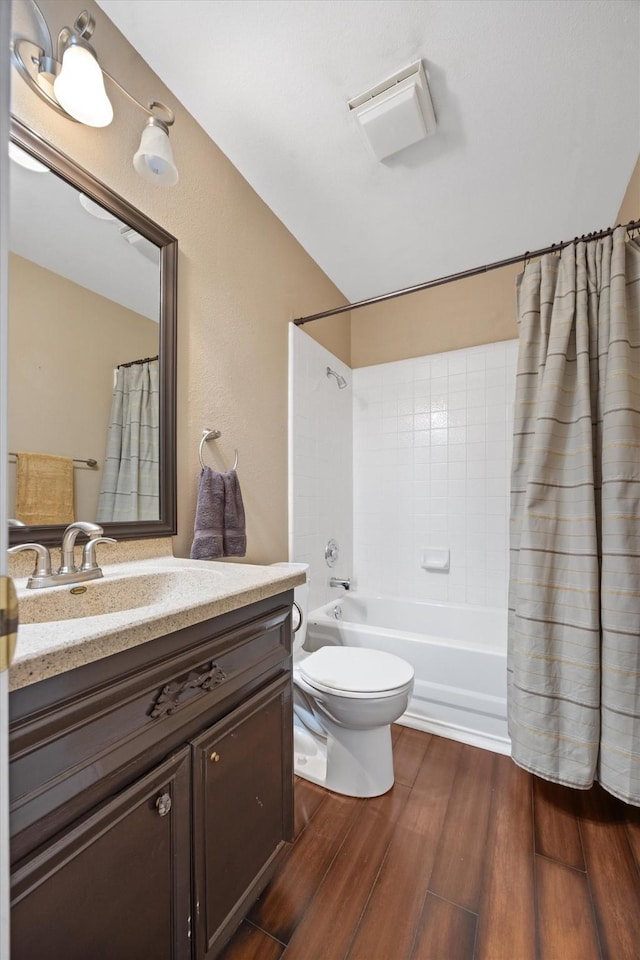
pixel 243 804
pixel 115 886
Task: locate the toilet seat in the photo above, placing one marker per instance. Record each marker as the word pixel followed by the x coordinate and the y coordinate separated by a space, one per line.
pixel 356 672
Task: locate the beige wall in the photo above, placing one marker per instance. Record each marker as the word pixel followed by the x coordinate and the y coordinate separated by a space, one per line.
pixel 334 333
pixel 630 207
pixel 64 342
pixel 461 314
pixel 242 277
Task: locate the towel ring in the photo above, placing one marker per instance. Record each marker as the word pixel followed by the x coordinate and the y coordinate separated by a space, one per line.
pixel 213 435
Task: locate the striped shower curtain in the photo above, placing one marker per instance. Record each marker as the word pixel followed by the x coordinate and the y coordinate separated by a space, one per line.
pixel 131 475
pixel 574 595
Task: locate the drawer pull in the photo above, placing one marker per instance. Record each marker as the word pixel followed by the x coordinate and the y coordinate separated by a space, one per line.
pixel 170 697
pixel 163 804
pixel 215 756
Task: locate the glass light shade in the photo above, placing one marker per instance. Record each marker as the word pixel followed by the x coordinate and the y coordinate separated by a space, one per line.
pixel 25 159
pixel 79 88
pixel 154 157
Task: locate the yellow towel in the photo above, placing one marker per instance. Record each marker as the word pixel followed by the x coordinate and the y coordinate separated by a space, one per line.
pixel 44 489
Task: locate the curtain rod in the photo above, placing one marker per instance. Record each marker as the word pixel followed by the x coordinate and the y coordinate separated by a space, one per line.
pixel 529 255
pixel 135 363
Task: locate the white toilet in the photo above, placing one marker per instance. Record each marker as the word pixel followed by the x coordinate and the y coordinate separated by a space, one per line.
pixel 345 700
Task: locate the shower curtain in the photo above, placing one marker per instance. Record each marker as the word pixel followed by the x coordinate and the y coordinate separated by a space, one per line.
pixel 130 479
pixel 574 593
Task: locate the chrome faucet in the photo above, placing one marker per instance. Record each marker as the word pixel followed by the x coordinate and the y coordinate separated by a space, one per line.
pixel 68 571
pixel 337 582
pixel 68 563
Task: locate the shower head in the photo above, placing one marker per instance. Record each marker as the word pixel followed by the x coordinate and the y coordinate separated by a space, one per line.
pixel 342 383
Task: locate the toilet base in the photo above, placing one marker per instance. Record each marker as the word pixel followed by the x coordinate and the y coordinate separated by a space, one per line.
pixel 356 763
pixel 309 756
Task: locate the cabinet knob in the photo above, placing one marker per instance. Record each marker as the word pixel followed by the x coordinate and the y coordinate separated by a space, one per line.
pixel 215 757
pixel 163 804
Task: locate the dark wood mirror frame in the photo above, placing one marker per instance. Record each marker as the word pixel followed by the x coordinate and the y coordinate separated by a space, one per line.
pixel 68 170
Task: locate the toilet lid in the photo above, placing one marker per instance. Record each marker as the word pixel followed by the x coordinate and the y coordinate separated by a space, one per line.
pixel 356 670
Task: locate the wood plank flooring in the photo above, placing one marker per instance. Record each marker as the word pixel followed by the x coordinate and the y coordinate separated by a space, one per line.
pixel 466 858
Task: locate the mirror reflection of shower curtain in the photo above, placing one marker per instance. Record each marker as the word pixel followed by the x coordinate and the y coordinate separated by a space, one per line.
pixel 130 479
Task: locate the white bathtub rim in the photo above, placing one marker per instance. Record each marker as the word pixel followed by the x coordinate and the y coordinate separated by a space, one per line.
pixel 441 604
pixel 321 616
pixel 427 638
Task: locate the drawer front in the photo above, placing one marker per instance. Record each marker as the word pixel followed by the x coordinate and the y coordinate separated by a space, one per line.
pixel 69 750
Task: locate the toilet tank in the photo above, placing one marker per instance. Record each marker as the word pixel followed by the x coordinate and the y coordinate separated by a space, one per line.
pixel 301 598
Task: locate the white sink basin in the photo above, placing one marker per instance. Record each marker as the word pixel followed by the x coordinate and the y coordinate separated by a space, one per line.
pixel 114 594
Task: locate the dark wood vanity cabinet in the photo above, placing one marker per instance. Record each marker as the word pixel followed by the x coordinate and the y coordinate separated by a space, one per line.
pixel 115 884
pixel 151 793
pixel 238 801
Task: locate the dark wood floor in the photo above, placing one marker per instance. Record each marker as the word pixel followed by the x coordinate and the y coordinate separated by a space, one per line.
pixel 466 857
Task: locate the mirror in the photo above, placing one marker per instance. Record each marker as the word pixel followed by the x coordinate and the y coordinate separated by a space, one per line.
pixel 92 329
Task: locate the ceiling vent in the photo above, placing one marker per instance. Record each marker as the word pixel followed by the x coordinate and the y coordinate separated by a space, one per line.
pixel 397 112
pixel 140 243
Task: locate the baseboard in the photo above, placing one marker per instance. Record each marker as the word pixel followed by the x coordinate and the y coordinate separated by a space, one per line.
pixel 452 731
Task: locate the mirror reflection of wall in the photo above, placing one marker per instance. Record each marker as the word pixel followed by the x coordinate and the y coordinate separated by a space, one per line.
pixel 84 292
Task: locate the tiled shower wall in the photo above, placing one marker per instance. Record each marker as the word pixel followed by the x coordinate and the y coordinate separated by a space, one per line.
pixel 320 463
pixel 432 442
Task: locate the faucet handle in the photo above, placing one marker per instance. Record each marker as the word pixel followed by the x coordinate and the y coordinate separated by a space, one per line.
pixel 43 558
pixel 89 560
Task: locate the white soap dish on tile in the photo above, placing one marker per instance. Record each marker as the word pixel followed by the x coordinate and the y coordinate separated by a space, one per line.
pixel 436 560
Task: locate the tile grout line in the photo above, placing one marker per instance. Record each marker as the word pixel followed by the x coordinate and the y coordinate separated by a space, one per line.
pixel 266 933
pixel 435 857
pixel 375 880
pixel 329 865
pixel 494 794
pixel 594 913
pixel 631 846
pixel 534 878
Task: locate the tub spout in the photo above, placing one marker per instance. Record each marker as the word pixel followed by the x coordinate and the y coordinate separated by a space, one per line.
pixel 337 582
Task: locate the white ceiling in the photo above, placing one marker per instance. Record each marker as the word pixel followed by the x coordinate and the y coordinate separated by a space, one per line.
pixel 537 101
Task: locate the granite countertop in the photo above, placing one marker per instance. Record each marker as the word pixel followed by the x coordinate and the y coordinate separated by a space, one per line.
pixel 206 589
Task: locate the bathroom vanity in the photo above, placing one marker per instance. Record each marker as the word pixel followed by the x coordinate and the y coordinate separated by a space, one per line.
pixel 151 791
pixel 151 785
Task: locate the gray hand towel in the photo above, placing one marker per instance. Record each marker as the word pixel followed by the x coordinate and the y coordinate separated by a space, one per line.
pixel 235 537
pixel 209 523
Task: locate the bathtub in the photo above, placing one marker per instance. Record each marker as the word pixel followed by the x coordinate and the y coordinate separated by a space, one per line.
pixel 458 652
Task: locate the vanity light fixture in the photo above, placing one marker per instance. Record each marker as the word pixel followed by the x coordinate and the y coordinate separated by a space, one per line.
pixel 79 86
pixel 95 209
pixel 153 159
pixel 24 159
pixel 71 81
